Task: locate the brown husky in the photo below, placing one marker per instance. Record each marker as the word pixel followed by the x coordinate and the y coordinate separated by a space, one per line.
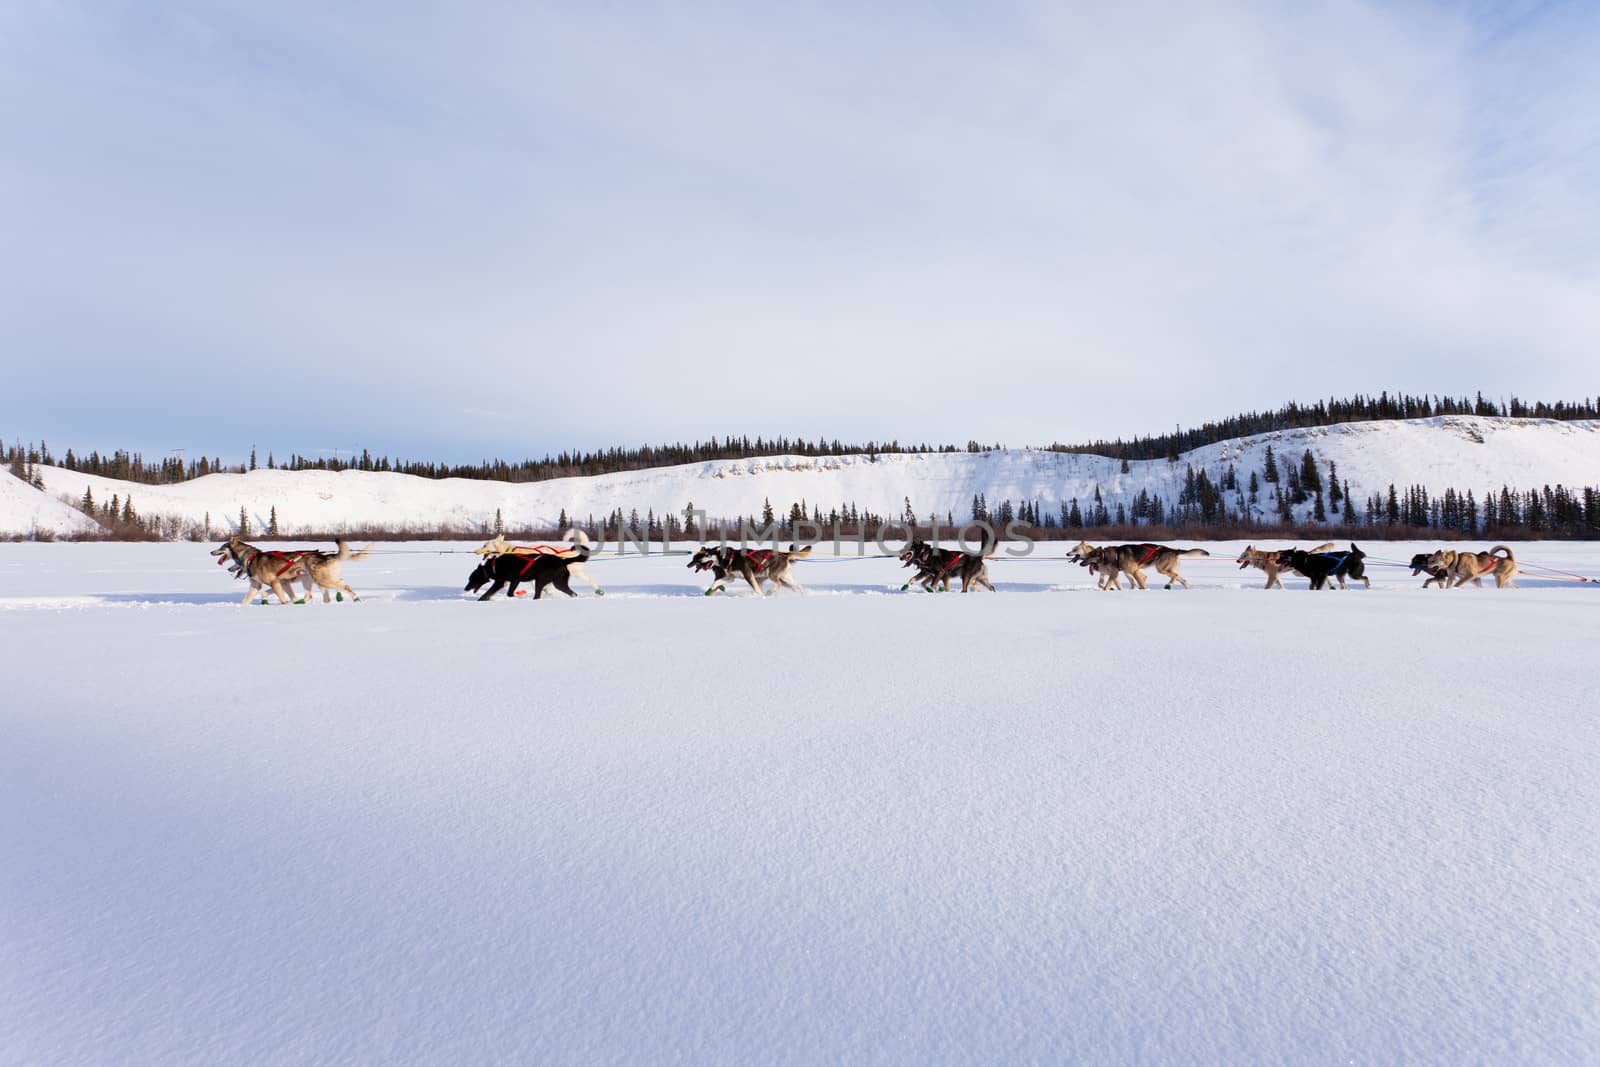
pixel 1133 559
pixel 1101 561
pixel 1466 567
pixel 279 570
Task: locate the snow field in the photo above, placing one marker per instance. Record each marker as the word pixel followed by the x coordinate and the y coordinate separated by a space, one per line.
pixel 1220 825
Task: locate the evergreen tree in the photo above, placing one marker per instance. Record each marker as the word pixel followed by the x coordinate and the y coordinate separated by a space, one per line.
pixel 244 523
pixel 252 457
pixel 87 503
pixel 1310 478
pixel 498 529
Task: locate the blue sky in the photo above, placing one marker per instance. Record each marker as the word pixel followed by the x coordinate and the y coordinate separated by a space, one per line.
pixel 470 229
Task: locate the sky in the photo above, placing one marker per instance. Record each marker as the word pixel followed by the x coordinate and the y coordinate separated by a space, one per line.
pixel 467 229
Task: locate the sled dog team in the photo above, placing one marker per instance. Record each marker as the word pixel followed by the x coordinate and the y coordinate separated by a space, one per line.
pixel 507 566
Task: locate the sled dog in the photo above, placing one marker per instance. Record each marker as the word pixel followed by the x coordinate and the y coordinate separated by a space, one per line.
pixel 509 569
pixel 1437 576
pixel 1132 559
pixel 1319 566
pixel 1273 563
pixel 935 566
pixel 754 565
pixel 1464 567
pixel 278 570
pixel 576 540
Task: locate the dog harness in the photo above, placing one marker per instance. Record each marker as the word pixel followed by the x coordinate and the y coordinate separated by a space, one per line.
pixel 250 554
pixel 1149 553
pixel 290 561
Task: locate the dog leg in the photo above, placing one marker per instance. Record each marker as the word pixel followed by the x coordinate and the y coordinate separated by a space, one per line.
pixel 576 570
pixel 255 586
pixel 499 584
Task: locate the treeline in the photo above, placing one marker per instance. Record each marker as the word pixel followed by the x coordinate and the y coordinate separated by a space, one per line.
pixel 1294 416
pixel 133 467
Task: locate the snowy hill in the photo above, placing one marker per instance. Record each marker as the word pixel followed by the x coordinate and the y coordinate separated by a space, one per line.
pixel 1463 452
pixel 25 511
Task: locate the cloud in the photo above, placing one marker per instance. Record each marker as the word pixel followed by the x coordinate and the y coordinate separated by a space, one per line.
pixel 478 229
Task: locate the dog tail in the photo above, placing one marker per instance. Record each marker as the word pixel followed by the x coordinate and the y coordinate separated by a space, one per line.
pixel 1503 548
pixel 345 553
pixel 1326 546
pixel 575 536
pixel 796 552
pixel 1187 553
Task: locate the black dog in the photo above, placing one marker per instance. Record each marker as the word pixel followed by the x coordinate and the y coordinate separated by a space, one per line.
pixel 936 566
pixel 1320 566
pixel 512 570
pixel 1436 575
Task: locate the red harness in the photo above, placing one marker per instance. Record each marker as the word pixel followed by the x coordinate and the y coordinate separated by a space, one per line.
pixel 1150 554
pixel 291 560
pixel 765 558
pixel 533 553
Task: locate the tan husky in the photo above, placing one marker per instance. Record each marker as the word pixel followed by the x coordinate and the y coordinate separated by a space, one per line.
pixel 279 570
pixel 1464 567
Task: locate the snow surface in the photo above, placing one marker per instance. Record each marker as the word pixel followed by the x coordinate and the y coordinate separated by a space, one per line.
pixel 1045 825
pixel 1461 452
pixel 26 511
